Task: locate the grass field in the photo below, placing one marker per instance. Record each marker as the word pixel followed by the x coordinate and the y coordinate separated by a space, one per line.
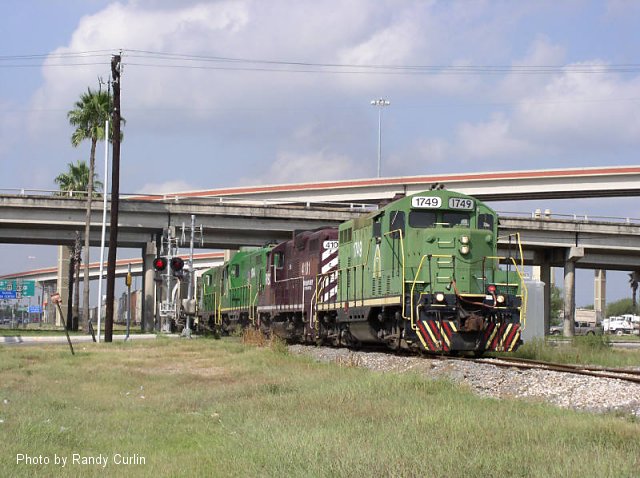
pixel 221 408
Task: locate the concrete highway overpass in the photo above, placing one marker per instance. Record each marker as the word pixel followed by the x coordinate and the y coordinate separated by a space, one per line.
pixel 608 181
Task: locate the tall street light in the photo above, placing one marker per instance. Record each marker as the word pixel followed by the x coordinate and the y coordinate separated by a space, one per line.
pixel 380 103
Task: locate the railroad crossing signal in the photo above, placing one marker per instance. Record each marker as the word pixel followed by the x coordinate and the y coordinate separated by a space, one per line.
pixel 177 264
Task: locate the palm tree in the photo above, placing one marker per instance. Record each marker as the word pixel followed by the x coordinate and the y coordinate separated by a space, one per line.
pixel 634 279
pixel 75 181
pixel 89 117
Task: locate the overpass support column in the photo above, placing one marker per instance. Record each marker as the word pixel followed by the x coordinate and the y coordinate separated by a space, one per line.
pixel 600 293
pixel 545 276
pixel 148 288
pixel 64 256
pixel 573 254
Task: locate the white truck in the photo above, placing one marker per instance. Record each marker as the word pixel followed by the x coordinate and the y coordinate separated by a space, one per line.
pixel 619 325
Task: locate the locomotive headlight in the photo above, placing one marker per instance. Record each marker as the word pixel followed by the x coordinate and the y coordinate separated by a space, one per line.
pixel 464 249
pixel 439 297
pixel 464 240
pixel 500 299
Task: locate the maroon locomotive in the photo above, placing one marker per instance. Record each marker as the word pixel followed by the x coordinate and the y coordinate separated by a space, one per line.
pixel 287 306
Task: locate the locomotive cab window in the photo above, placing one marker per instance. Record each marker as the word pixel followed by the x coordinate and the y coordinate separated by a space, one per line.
pixel 396 222
pixel 452 219
pixel 278 260
pixel 236 270
pixel 422 219
pixel 207 280
pixel 485 221
pixel 377 229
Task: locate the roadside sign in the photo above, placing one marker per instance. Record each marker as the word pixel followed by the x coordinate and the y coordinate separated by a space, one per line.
pixel 24 288
pixel 8 294
pixel 35 309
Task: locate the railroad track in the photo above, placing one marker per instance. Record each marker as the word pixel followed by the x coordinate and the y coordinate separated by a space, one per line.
pixel 529 364
pixel 590 370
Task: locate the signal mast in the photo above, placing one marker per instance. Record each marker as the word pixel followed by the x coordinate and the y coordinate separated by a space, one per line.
pixel 169 265
pixel 189 304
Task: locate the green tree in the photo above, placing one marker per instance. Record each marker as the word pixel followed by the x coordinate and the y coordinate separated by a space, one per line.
pixel 620 307
pixel 557 304
pixel 89 115
pixel 75 181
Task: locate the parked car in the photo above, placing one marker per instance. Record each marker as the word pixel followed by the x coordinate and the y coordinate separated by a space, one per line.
pixel 580 328
pixel 588 328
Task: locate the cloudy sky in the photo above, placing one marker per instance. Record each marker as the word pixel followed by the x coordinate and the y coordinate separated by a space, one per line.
pixel 236 92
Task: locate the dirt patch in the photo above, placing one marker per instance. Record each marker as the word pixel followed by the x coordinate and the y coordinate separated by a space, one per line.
pixel 200 368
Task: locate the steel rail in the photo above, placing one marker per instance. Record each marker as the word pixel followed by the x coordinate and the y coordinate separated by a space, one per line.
pixel 589 370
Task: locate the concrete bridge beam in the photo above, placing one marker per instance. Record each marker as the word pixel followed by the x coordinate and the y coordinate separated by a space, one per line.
pixel 148 287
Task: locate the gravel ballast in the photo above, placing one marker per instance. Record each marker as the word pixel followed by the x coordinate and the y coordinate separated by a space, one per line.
pixel 578 392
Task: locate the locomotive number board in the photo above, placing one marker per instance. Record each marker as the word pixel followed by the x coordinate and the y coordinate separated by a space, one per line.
pixel 434 202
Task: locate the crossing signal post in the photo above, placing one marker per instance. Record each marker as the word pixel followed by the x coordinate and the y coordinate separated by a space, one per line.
pixel 168 266
pixel 172 273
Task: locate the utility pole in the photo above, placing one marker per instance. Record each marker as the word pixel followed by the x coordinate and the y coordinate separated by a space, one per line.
pixel 115 199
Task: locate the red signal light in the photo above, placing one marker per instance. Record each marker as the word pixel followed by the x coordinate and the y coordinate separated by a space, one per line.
pixel 491 289
pixel 177 264
pixel 160 263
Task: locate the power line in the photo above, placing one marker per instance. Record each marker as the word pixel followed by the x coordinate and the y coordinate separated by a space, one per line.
pixel 203 62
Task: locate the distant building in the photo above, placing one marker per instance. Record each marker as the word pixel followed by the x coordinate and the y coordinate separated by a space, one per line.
pixel 586 315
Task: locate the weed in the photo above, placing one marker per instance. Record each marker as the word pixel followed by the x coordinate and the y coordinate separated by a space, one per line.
pixel 254 337
pixel 350 360
pixel 278 345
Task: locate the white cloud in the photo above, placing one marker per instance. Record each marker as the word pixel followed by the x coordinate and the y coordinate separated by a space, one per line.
pixel 290 167
pixel 493 139
pixel 570 115
pixel 167 187
pixel 542 52
pixel 588 110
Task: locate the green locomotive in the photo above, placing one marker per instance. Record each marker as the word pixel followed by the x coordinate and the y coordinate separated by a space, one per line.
pixel 423 273
pixel 230 292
